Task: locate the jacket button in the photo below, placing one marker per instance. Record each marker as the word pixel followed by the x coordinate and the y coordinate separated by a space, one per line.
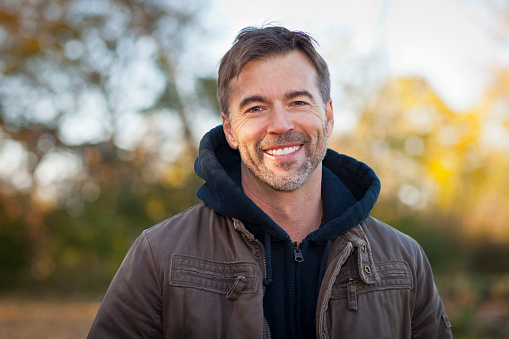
pixel 364 248
pixel 367 269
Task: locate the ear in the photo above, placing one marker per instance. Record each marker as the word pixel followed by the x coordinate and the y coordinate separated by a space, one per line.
pixel 329 114
pixel 227 128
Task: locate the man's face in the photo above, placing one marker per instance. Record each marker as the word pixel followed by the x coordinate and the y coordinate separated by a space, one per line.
pixel 278 120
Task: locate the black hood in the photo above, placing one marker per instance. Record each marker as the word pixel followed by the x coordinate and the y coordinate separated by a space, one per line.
pixel 349 189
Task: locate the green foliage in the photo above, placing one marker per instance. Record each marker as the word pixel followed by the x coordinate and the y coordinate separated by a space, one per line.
pixel 436 237
pixel 81 253
pixel 14 255
pixel 207 91
pixel 490 258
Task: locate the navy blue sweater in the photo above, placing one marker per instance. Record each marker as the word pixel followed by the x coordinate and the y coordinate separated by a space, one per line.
pixel 294 272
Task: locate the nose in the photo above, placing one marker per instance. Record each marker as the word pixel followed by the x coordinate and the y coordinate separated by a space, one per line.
pixel 280 122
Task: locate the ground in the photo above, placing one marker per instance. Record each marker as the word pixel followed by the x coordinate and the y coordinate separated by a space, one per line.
pixel 56 318
pixel 20 319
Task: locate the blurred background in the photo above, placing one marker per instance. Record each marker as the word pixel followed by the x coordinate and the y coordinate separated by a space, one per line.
pixel 103 103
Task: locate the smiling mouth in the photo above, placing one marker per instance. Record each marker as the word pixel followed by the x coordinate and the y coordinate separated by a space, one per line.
pixel 283 151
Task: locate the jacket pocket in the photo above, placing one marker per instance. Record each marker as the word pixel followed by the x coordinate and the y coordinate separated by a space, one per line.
pixel 372 310
pixel 228 278
pixel 393 275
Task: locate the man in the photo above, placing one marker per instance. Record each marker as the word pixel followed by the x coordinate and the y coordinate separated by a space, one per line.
pixel 283 245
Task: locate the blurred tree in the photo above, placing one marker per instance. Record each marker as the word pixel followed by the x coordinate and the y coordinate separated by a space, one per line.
pixel 443 173
pixel 490 191
pixel 95 124
pixel 402 127
pixel 69 64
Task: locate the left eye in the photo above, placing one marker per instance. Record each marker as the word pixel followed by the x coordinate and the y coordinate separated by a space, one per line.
pixel 298 103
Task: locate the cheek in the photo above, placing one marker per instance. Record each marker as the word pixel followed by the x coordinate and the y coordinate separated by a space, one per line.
pixel 314 124
pixel 248 133
pixel 314 115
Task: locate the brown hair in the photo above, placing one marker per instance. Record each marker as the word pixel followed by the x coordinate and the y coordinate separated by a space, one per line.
pixel 254 43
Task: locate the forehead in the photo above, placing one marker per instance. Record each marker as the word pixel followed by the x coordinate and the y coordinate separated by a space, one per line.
pixel 292 71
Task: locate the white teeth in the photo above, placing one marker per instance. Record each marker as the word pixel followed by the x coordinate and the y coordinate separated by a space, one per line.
pixel 283 151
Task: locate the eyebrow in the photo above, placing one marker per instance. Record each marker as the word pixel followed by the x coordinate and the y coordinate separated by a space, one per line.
pixel 295 94
pixel 253 98
pixel 288 96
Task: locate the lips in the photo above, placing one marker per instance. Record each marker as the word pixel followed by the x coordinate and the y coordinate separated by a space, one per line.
pixel 283 150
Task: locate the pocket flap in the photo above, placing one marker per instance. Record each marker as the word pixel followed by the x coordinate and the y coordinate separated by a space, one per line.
pixel 393 275
pixel 212 276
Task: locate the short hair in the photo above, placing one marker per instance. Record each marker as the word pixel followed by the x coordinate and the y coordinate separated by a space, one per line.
pixel 254 43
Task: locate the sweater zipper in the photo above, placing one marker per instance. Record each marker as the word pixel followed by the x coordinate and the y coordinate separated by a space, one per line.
pixel 297 252
pixel 297 327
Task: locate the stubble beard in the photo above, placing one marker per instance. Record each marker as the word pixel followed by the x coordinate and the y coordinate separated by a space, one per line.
pixel 288 180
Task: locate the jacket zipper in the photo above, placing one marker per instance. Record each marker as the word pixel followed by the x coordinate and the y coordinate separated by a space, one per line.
pixel 267 327
pixel 297 253
pixel 245 234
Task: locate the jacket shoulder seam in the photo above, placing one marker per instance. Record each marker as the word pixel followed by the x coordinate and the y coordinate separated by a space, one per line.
pixel 148 230
pixel 157 312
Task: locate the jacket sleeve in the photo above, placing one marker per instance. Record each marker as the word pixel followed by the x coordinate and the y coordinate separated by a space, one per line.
pixel 429 318
pixel 131 307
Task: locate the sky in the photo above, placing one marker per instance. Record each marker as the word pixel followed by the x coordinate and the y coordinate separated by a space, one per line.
pixel 448 42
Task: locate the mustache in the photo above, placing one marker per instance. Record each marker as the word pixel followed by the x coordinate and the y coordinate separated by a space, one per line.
pixel 287 137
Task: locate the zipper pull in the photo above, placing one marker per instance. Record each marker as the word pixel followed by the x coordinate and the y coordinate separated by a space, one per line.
pixel 297 253
pixel 352 294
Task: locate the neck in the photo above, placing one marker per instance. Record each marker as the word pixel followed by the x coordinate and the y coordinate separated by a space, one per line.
pixel 298 212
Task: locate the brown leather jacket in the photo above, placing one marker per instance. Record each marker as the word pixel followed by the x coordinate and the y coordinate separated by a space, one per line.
pixel 199 275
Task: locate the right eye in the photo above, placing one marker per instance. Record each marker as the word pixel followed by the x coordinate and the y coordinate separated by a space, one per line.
pixel 254 109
